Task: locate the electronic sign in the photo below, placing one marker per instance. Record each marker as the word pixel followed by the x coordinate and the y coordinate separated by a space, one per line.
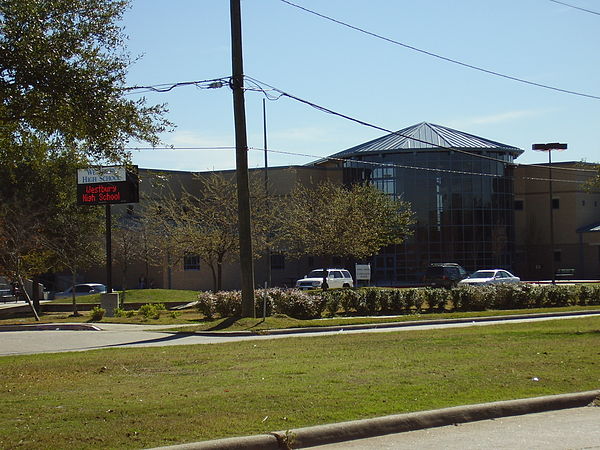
pixel 107 185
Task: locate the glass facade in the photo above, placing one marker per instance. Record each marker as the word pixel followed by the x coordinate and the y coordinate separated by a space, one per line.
pixel 463 206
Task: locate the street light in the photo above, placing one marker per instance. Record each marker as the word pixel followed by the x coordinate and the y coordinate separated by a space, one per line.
pixel 548 148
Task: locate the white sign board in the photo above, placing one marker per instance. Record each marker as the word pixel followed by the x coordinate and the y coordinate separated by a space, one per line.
pixel 113 174
pixel 363 272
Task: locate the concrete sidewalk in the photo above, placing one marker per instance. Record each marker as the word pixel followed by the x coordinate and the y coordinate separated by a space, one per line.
pixel 361 429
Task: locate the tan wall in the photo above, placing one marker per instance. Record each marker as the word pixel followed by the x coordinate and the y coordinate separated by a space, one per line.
pixel 577 208
pixel 156 184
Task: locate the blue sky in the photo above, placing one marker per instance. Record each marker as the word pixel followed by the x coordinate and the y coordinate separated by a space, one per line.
pixel 368 78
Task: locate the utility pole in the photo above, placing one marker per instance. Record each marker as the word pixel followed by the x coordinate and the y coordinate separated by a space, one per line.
pixel 241 162
pixel 268 284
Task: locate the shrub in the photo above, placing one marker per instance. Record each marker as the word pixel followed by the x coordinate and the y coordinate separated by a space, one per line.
pixel 333 301
pixel 369 301
pixel 206 304
pixel 97 314
pixel 349 300
pixel 414 300
pixel 120 312
pixel 228 303
pixel 436 299
pixel 299 304
pixel 151 310
pixel 470 298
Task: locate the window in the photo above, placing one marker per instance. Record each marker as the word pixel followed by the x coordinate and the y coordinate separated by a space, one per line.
pixel 518 205
pixel 191 262
pixel 278 262
pixel 555 203
pixel 557 256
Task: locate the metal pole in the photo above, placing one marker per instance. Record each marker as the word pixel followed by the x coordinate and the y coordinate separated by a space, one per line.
pixel 108 249
pixel 268 256
pixel 552 265
pixel 241 159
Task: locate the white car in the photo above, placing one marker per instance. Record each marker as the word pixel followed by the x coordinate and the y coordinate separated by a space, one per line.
pixel 82 289
pixel 491 276
pixel 336 278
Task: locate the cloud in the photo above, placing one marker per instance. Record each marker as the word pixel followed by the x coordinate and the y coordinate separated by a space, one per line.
pixel 508 116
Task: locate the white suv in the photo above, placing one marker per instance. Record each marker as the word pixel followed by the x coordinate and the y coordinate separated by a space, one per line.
pixel 336 278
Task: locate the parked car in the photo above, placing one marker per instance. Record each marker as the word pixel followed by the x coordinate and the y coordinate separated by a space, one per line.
pixel 82 289
pixel 336 278
pixel 445 275
pixel 491 276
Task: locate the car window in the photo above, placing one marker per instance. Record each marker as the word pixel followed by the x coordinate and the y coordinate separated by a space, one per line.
pixel 346 274
pixel 337 274
pixel 82 289
pixel 316 274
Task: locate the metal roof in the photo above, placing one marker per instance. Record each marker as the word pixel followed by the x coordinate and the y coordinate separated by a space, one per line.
pixel 424 136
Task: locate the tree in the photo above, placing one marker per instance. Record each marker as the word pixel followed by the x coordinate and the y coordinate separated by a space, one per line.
pixel 62 106
pixel 205 223
pixel 333 220
pixel 74 239
pixel 62 77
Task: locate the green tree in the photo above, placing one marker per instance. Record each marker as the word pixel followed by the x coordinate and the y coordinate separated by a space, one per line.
pixel 205 223
pixel 62 106
pixel 332 220
pixel 74 240
pixel 62 77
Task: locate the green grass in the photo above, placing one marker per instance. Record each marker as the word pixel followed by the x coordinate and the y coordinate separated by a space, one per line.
pixel 137 398
pixel 141 296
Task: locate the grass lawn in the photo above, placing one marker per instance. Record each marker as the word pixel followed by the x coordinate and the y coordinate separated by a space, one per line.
pixel 136 398
pixel 141 296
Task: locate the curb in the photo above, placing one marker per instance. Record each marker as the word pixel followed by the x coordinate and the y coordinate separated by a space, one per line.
pixel 51 327
pixel 398 423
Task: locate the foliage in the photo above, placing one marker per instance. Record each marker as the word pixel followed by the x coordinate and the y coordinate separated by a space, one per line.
pixel 205 222
pixel 292 302
pixel 97 314
pixel 62 76
pixel 151 310
pixel 63 71
pixel 332 220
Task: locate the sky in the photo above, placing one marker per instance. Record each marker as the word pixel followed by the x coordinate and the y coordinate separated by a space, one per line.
pixel 374 80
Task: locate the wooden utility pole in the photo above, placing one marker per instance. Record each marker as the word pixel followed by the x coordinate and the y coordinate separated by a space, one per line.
pixel 241 162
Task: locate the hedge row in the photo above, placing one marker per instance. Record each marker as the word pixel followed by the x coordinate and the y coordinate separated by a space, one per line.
pixel 377 301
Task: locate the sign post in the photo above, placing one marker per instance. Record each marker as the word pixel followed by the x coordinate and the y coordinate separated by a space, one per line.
pixel 106 186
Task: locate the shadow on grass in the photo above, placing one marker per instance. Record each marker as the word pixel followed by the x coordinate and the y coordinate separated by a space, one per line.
pixel 224 324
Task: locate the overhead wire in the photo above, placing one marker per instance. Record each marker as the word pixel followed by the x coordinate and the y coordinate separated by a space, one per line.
pixel 441 57
pixel 281 93
pixel 576 7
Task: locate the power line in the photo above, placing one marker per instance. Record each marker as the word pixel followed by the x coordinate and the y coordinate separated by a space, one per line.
pixel 214 83
pixel 443 58
pixel 258 87
pixel 576 7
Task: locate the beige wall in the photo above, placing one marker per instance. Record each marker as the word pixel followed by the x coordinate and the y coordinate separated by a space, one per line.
pixel 577 208
pixel 155 184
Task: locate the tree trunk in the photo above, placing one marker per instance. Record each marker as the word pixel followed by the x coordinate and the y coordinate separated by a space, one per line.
pixel 220 273
pixel 214 276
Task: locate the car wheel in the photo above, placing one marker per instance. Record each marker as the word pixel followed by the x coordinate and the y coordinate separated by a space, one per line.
pixel 346 285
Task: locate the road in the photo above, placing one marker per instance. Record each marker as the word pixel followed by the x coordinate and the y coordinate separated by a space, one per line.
pixel 125 335
pixel 576 428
